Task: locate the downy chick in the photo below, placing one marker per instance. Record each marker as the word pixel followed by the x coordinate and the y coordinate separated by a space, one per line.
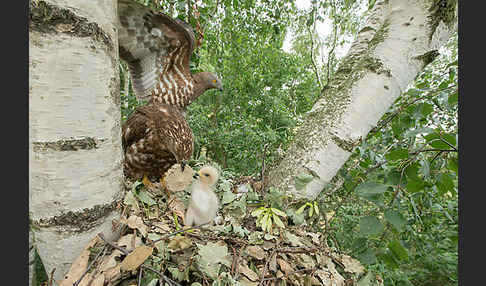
pixel 204 203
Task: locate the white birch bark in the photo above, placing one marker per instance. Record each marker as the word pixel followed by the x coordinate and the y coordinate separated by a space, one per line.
pixel 398 41
pixel 75 155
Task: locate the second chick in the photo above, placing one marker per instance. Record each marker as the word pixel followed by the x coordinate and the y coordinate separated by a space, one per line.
pixel 204 203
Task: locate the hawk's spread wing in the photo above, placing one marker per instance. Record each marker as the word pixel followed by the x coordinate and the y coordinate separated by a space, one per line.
pixel 157 49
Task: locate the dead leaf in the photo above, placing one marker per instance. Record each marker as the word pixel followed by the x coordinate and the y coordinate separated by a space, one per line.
pixel 272 265
pixel 113 274
pixel 161 227
pixel 246 282
pixel 130 200
pixel 245 270
pixel 136 222
pixel 293 239
pixel 86 279
pixel 99 280
pixel 177 181
pixel 177 207
pixel 136 258
pixel 129 241
pixel 351 265
pixel 179 243
pixel 255 252
pixel 286 268
pixel 79 265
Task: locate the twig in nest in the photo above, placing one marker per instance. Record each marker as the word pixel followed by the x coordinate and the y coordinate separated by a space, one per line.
pixel 161 275
pixel 299 249
pixel 90 265
pixel 126 252
pixel 52 276
pixel 266 264
pixel 139 276
pixel 293 272
pixel 179 231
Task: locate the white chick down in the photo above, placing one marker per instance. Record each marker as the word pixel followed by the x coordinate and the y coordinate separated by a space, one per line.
pixel 204 203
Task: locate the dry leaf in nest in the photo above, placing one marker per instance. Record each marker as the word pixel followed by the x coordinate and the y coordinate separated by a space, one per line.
pixel 161 227
pixel 129 241
pixel 255 252
pixel 136 258
pixel 79 265
pixel 86 279
pixel 250 274
pixel 113 274
pixel 179 243
pixel 285 266
pixel 330 277
pixel 351 265
pixel 175 180
pixel 246 282
pixel 177 207
pixel 98 281
pixel 136 222
pixel 272 264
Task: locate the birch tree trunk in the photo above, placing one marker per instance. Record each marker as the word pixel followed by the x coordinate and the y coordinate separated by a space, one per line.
pixel 75 156
pixel 399 39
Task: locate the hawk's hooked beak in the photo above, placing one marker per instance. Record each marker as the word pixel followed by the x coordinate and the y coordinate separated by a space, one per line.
pixel 196 174
pixel 183 165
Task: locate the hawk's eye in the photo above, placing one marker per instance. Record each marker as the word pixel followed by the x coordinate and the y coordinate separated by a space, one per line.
pixel 214 80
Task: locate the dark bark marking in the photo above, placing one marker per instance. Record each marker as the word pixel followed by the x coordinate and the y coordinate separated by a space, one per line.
pixel 48 18
pixel 68 145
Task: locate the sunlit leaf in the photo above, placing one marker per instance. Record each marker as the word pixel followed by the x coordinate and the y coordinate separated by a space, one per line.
pixel 397 248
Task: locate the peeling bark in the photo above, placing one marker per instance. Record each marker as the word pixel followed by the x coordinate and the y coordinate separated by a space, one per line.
pixel 400 38
pixel 75 154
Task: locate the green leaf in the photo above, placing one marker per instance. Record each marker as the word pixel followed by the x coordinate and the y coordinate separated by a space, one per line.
pixel 397 154
pixel 445 184
pixel 316 208
pixel 415 185
pixel 439 144
pixel 453 165
pixel 228 197
pixel 412 171
pixel 393 177
pixel 366 280
pixel 398 250
pixel 396 219
pixel 370 225
pixel 278 212
pixel 367 257
pixel 389 260
pixel 258 211
pixel 144 197
pixel 427 109
pixel 425 169
pixel 278 222
pixel 453 98
pixel 368 189
pixel 302 180
pixel 301 209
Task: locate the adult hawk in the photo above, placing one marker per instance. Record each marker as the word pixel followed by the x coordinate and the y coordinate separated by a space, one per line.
pixel 157 49
pixel 154 138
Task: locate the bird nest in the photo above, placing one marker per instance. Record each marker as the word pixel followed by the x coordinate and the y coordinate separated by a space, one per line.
pixel 155 249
